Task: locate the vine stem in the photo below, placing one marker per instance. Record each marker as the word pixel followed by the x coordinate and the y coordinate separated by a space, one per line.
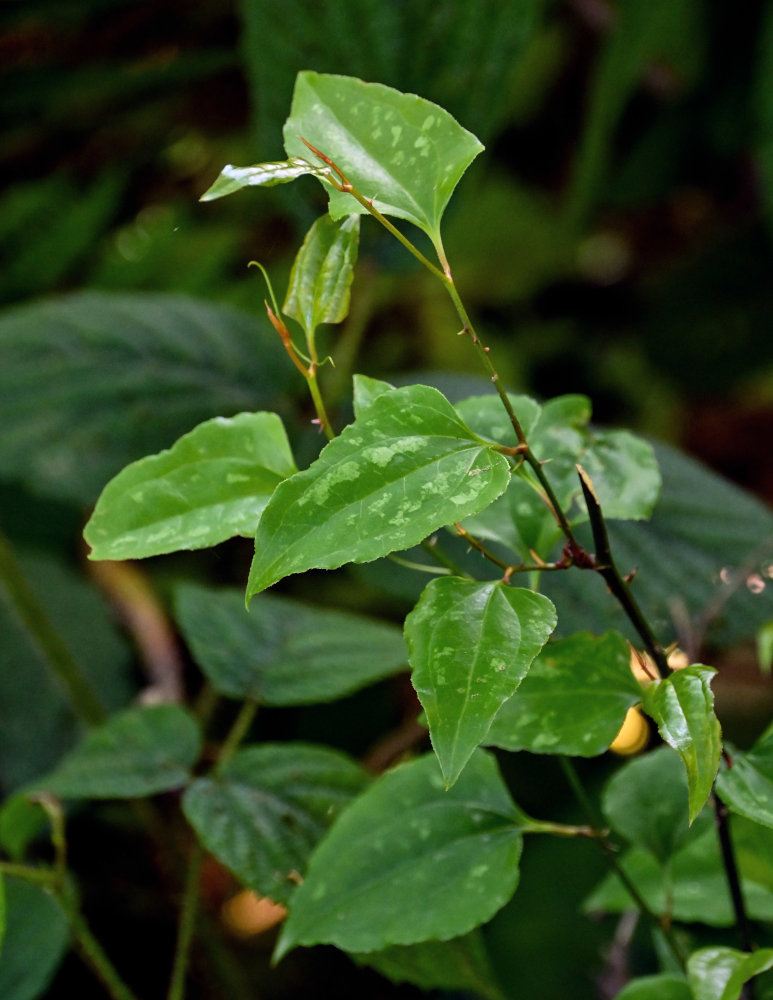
pixel 722 820
pixel 609 850
pixel 57 657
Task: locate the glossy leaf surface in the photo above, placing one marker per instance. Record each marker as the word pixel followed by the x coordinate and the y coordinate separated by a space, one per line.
pixel 264 811
pixel 210 485
pixel 719 973
pixel 406 467
pixel 573 699
pixel 136 753
pixel 747 786
pixel 402 151
pixel 682 705
pixel 284 652
pixel 321 277
pixel 470 645
pixel 407 841
pixel 233 178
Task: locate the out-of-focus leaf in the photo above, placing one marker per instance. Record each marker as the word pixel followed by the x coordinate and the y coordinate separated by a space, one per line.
pixel 470 647
pixel 35 941
pixel 573 699
pixel 660 987
pixel 20 821
pixel 92 381
pixel 32 700
pixel 407 840
pixel 747 786
pixel 264 811
pixel 284 652
pixel 646 801
pixel 682 705
pixel 139 752
pixel 212 484
pixel 702 525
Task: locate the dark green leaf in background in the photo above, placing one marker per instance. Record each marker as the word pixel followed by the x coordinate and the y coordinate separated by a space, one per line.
pixel 646 802
pixel 406 467
pixel 660 987
pixel 92 381
pixel 139 752
pixel 284 652
pixel 573 699
pixel 623 469
pixel 210 485
pixel 36 940
pixel 32 700
pixel 747 786
pixel 321 277
pixel 403 151
pixel 682 705
pixel 264 811
pixel 470 646
pixel 409 861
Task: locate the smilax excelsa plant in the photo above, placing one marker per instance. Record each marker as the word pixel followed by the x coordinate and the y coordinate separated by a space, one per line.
pixel 530 487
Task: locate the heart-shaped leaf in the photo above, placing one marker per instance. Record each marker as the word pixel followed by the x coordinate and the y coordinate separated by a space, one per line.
pixel 210 485
pixel 747 786
pixel 409 861
pixel 470 645
pixel 404 152
pixel 405 468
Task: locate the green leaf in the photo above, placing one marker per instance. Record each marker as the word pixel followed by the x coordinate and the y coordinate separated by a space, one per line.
pixel 573 699
pixel 747 786
pixel 35 943
pixel 461 964
pixel 139 752
pixel 94 380
pixel 264 811
pixel 470 645
pixel 409 861
pixel 20 821
pixel 682 705
pixel 322 273
pixel 623 469
pixel 691 889
pixel 261 175
pixel 765 648
pixel 284 652
pixel 646 802
pixel 660 987
pixel 32 699
pixel 3 918
pixel 402 151
pixel 212 484
pixel 704 531
pixel 366 391
pixel 405 468
pixel 719 973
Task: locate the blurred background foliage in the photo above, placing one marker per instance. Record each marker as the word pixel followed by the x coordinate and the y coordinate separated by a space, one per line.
pixel 614 239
